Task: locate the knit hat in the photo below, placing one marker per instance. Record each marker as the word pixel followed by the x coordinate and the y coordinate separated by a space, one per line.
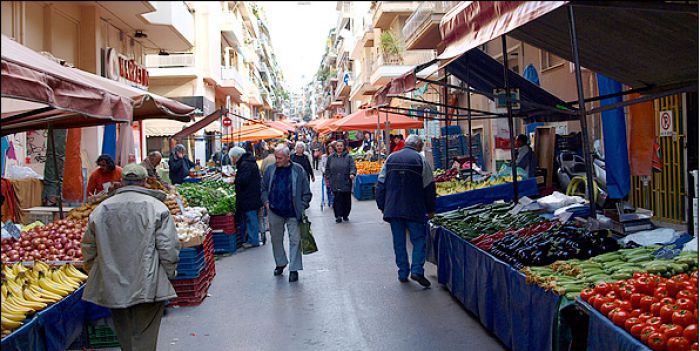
pixel 134 172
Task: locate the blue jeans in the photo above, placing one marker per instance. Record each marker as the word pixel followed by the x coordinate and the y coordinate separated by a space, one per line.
pixel 251 226
pixel 419 235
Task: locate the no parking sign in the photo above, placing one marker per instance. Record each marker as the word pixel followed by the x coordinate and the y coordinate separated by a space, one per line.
pixel 666 123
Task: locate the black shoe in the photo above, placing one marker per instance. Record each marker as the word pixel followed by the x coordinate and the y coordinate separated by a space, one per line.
pixel 421 280
pixel 279 270
pixel 338 220
pixel 346 219
pixel 403 280
pixel 293 276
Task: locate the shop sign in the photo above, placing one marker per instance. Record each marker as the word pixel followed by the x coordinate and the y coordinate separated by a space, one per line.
pixel 666 123
pixel 123 69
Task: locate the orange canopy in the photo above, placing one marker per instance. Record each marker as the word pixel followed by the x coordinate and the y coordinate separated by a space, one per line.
pixel 253 132
pixel 367 120
pixel 280 125
pixel 322 127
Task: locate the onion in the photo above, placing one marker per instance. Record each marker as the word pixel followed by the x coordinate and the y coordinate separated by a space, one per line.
pixel 58 246
pixel 35 241
pixel 41 247
pixel 69 245
pixel 25 242
pixel 42 240
pixel 13 252
pixel 14 258
pixel 49 242
pixel 70 253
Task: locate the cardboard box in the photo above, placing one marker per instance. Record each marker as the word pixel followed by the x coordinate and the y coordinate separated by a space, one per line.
pixel 192 242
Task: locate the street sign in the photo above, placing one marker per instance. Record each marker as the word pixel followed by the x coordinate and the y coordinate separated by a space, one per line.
pixel 226 122
pixel 666 123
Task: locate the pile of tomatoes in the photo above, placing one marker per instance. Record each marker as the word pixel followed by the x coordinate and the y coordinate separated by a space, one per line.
pixel 661 312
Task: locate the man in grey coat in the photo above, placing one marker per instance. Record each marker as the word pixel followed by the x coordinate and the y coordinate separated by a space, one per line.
pixel 286 194
pixel 131 251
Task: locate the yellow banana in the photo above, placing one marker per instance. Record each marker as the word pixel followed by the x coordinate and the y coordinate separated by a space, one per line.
pixel 75 272
pixel 42 265
pixel 58 278
pixel 31 296
pixel 45 293
pixel 3 291
pixel 9 324
pixel 75 283
pixel 20 301
pixel 11 307
pixel 13 288
pixel 53 287
pixel 12 310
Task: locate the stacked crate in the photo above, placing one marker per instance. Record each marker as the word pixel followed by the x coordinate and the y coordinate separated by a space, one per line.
pixel 225 238
pixel 196 271
pixel 456 146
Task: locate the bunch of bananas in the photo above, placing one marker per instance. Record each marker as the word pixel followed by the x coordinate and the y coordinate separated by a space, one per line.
pixel 26 291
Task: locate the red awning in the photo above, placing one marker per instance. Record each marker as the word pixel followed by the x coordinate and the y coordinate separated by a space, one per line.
pixel 322 127
pixel 368 119
pixel 37 91
pixel 285 127
pixel 473 23
pixel 201 123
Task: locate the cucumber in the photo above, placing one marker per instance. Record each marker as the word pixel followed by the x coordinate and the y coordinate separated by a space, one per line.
pixel 640 259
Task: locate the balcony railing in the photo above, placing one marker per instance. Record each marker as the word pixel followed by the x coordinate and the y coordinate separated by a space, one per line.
pixel 423 13
pixel 409 58
pixel 167 61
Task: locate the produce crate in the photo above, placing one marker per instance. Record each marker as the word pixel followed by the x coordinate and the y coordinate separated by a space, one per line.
pixel 364 191
pixel 225 243
pixel 102 337
pixel 191 292
pixel 225 222
pixel 190 268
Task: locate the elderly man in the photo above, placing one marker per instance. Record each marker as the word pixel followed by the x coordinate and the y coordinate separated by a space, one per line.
pixel 286 194
pixel 151 162
pixel 248 201
pixel 406 197
pixel 131 251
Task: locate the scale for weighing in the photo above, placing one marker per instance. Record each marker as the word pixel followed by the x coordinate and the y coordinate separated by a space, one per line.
pixel 625 222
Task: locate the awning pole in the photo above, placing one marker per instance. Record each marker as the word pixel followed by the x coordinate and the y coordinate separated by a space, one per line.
pixel 447 120
pixel 582 113
pixel 469 119
pixel 509 107
pixel 59 176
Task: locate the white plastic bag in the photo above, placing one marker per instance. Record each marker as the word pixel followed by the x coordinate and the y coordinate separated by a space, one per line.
pixel 17 172
pixel 558 200
pixel 651 237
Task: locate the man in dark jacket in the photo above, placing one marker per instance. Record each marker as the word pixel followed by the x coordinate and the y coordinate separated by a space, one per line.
pixel 248 193
pixel 303 160
pixel 341 170
pixel 179 165
pixel 406 197
pixel 286 194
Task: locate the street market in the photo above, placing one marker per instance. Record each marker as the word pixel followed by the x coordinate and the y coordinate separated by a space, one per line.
pixel 161 159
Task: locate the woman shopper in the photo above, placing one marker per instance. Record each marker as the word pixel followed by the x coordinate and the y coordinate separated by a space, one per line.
pixel 302 159
pixel 330 150
pixel 341 171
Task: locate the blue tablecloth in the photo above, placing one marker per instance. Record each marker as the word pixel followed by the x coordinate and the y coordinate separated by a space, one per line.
pixel 366 178
pixel 54 328
pixel 604 335
pixel 521 315
pixel 527 187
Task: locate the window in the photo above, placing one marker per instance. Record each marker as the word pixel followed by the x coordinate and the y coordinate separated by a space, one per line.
pixel 549 60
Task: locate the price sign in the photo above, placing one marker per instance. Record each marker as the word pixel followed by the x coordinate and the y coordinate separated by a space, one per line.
pixel 666 123
pixel 12 229
pixel 226 122
pixel 179 204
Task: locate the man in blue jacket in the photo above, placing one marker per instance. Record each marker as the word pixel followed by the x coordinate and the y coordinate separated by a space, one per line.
pixel 406 197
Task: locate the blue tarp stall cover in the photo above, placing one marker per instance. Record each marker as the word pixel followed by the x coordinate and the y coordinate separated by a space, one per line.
pixel 604 335
pixel 527 187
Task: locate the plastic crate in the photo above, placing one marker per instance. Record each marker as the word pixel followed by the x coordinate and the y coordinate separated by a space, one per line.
pixel 226 222
pixel 102 337
pixel 364 192
pixel 192 292
pixel 190 270
pixel 225 243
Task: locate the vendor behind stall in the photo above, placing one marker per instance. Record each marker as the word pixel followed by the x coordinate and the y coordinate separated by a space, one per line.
pixel 526 158
pixel 106 173
pixel 179 165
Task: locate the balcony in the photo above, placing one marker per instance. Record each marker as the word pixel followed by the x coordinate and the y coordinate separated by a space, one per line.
pixel 231 28
pixel 171 66
pixel 365 41
pixel 422 28
pixel 386 68
pixel 386 11
pixel 230 78
pixel 361 86
pixel 343 89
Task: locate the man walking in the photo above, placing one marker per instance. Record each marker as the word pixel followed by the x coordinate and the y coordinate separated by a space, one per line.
pixel 130 251
pixel 286 194
pixel 248 201
pixel 406 197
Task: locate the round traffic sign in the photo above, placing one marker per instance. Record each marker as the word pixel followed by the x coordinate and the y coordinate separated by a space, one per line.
pixel 226 122
pixel 665 120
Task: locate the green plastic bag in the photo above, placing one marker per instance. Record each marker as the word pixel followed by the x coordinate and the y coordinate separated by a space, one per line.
pixel 308 243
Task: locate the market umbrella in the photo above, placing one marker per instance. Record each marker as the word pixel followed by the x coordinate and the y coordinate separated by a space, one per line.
pixel 367 120
pixel 280 125
pixel 322 127
pixel 253 132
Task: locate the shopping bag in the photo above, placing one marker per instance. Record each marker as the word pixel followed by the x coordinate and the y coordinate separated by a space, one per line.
pixel 308 244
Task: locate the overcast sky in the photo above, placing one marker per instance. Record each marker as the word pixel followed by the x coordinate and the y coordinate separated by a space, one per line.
pixel 298 31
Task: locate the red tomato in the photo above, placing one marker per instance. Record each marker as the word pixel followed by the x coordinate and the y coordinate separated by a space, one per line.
pixel 691 332
pixel 644 316
pixel 635 298
pixel 612 295
pixel 655 308
pixel 657 341
pixel 645 303
pixel 685 304
pixel 620 317
pixel 683 317
pixel 668 301
pixel 607 307
pixel 671 330
pixel 694 346
pixel 644 285
pixel 635 312
pixel 660 293
pixel 680 278
pixel 611 314
pixel 694 274
pixel 678 343
pixel 636 330
pixel 630 322
pixel 684 293
pixel 602 288
pixel 666 313
pixel 646 331
pixel 638 275
pixel 587 294
pixel 626 292
pixel 654 321
pixel 625 305
pixel 600 301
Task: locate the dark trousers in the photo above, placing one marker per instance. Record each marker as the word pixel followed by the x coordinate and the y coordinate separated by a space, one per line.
pixel 137 326
pixel 341 203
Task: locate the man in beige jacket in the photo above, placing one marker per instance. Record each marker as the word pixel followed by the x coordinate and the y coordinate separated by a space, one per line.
pixel 131 250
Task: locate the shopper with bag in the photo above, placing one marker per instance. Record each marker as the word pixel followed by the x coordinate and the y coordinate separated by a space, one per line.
pixel 316 151
pixel 406 197
pixel 341 171
pixel 286 194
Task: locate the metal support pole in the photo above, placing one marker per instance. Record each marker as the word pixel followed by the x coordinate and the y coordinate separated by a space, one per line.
pixel 582 113
pixel 58 174
pixel 447 120
pixel 469 119
pixel 509 107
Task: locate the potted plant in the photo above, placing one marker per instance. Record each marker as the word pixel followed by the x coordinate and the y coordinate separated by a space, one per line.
pixel 391 48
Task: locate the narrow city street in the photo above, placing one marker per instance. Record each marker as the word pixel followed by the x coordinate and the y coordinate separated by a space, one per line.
pixel 347 298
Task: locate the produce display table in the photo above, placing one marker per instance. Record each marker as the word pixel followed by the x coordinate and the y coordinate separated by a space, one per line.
pixel 527 187
pixel 522 316
pixel 603 334
pixel 364 185
pixel 54 328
